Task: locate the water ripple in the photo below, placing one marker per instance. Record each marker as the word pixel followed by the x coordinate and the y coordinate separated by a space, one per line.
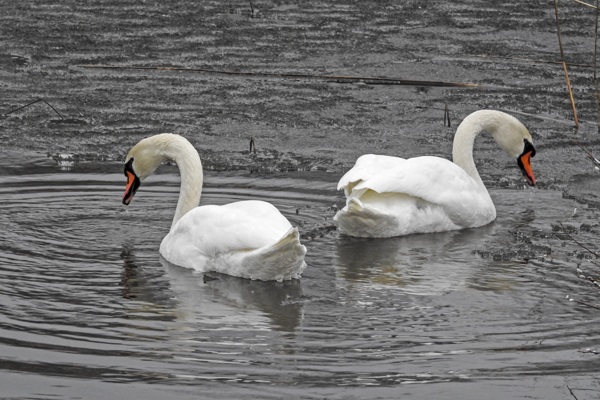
pixel 84 294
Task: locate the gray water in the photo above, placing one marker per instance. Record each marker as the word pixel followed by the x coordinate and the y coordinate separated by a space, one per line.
pixel 89 310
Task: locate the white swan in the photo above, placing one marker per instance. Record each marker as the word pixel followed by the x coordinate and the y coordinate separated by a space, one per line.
pixel 247 239
pixel 391 196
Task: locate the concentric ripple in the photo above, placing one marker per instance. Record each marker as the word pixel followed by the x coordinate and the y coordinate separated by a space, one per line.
pixel 86 302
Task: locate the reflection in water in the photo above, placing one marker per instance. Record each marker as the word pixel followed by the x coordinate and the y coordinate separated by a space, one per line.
pixel 419 264
pixel 203 297
pixel 129 276
pixel 141 283
pixel 218 297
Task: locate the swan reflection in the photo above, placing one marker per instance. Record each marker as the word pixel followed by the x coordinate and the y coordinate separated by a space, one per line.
pixel 212 300
pixel 218 299
pixel 419 264
pixel 142 283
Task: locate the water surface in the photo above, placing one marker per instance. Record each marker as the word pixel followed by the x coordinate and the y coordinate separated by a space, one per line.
pixel 88 308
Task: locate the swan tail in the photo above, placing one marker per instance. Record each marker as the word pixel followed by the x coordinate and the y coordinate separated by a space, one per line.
pixel 281 261
pixel 359 220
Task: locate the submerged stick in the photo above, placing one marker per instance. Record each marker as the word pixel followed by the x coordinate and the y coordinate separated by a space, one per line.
pixel 564 64
pixel 33 102
pixel 338 78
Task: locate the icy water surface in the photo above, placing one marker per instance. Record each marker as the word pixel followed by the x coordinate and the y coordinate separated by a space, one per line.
pixel 89 310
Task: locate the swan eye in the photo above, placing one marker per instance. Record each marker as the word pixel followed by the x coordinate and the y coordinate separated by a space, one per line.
pixel 528 148
pixel 129 167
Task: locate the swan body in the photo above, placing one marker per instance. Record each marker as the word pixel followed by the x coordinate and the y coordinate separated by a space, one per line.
pixel 248 239
pixel 391 196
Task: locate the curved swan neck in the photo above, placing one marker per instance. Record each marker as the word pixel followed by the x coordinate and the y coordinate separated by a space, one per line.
pixel 178 149
pixel 470 127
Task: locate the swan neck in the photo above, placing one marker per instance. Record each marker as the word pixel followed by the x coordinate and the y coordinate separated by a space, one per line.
pixel 190 170
pixel 462 149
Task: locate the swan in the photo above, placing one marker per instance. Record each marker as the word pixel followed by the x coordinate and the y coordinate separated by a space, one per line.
pixel 248 239
pixel 391 196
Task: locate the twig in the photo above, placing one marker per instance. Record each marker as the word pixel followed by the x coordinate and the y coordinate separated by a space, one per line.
pixel 489 58
pixel 583 303
pixel 586 4
pixel 252 145
pixel 535 116
pixel 564 64
pixel 580 244
pixel 446 115
pixel 572 394
pixel 338 78
pixel 594 160
pixel 33 102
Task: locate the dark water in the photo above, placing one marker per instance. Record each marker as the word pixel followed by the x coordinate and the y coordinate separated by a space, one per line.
pixel 89 310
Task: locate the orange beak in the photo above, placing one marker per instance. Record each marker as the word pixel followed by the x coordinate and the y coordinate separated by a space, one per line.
pixel 133 183
pixel 525 165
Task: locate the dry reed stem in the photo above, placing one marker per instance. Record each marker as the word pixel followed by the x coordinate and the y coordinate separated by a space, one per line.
pixel 596 93
pixel 571 98
pixel 564 64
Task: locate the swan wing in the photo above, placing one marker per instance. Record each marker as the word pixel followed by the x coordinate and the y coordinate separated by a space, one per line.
pixel 421 194
pixel 433 179
pixel 366 167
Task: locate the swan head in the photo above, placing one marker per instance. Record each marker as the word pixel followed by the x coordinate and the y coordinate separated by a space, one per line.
pixel 514 138
pixel 141 162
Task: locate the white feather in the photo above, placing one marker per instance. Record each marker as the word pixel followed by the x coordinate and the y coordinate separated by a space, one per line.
pixel 247 239
pixel 390 196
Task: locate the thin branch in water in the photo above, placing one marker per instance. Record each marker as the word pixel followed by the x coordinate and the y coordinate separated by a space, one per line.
pixel 586 4
pixel 488 58
pixel 594 160
pixel 33 102
pixel 583 303
pixel 370 80
pixel 583 247
pixel 535 116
